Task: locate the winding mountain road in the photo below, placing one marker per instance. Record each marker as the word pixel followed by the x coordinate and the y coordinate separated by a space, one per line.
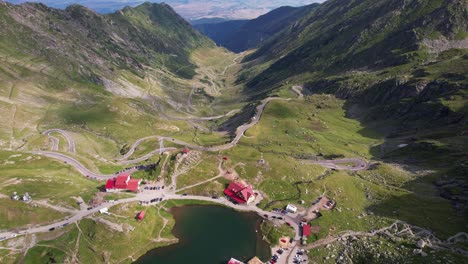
pixel 144 196
pixel 298 90
pixel 332 164
pixel 73 162
pixel 358 164
pixel 55 141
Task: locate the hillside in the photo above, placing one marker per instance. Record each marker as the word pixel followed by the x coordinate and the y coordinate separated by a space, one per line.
pixel 221 32
pixel 345 36
pixel 353 111
pixel 400 66
pixel 241 35
pixel 148 35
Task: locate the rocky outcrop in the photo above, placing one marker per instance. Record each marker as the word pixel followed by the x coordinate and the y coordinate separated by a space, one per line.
pixel 442 44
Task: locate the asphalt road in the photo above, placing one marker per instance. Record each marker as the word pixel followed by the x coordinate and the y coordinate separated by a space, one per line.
pixel 73 162
pixel 146 196
pixel 55 141
pixel 358 164
pixel 292 220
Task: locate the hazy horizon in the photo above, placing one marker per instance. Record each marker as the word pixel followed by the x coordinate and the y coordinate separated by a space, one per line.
pixel 190 9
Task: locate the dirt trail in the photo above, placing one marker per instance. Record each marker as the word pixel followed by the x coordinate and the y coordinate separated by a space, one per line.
pixel 220 174
pixel 12 131
pixel 298 90
pixel 397 230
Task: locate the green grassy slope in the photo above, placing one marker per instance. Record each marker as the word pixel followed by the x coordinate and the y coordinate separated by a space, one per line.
pixel 400 65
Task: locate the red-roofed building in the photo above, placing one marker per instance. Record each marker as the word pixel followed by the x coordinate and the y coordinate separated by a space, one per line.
pixel 186 151
pixel 306 230
pixel 235 261
pixel 141 215
pixel 123 182
pixel 240 193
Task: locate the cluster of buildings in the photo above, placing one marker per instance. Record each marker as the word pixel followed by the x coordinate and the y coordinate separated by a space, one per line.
pixel 25 198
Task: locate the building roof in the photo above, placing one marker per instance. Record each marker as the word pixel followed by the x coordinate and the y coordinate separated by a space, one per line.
pixel 239 192
pixel 247 192
pixel 110 184
pixel 234 261
pixel 133 185
pixel 122 180
pixel 236 186
pixel 306 230
pixel 186 150
pixel 141 215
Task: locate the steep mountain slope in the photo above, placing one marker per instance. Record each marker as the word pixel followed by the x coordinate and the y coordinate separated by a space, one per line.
pixel 242 35
pixel 342 36
pixel 222 32
pixel 150 34
pixel 401 66
pixel 76 68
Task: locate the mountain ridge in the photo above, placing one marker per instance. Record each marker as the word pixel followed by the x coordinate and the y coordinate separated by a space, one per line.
pixel 241 35
pixel 114 34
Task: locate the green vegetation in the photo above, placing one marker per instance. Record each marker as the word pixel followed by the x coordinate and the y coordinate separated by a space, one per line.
pixel 43 179
pixel 92 237
pixel 16 214
pixel 383 81
pixel 273 233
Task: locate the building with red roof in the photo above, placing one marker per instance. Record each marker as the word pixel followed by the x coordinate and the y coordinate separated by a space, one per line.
pixel 123 182
pixel 306 230
pixel 186 151
pixel 240 193
pixel 235 261
pixel 141 215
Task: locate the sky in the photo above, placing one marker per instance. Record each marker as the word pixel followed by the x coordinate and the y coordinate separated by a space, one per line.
pixel 190 9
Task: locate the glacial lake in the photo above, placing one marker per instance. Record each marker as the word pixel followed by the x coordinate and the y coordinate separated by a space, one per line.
pixel 210 234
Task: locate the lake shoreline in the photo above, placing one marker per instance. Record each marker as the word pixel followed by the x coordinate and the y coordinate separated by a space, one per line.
pixel 212 234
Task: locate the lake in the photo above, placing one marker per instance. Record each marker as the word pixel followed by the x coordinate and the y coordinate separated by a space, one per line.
pixel 210 234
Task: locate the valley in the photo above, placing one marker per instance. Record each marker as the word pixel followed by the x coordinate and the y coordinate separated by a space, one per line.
pixel 87 98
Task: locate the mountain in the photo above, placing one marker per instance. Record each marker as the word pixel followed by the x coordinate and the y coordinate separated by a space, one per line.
pixel 190 9
pixel 221 32
pixel 400 66
pixel 343 36
pixel 241 35
pixel 356 111
pixel 92 44
pixel 87 68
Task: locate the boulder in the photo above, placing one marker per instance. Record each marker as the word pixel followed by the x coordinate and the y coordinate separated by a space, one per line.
pixel 421 243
